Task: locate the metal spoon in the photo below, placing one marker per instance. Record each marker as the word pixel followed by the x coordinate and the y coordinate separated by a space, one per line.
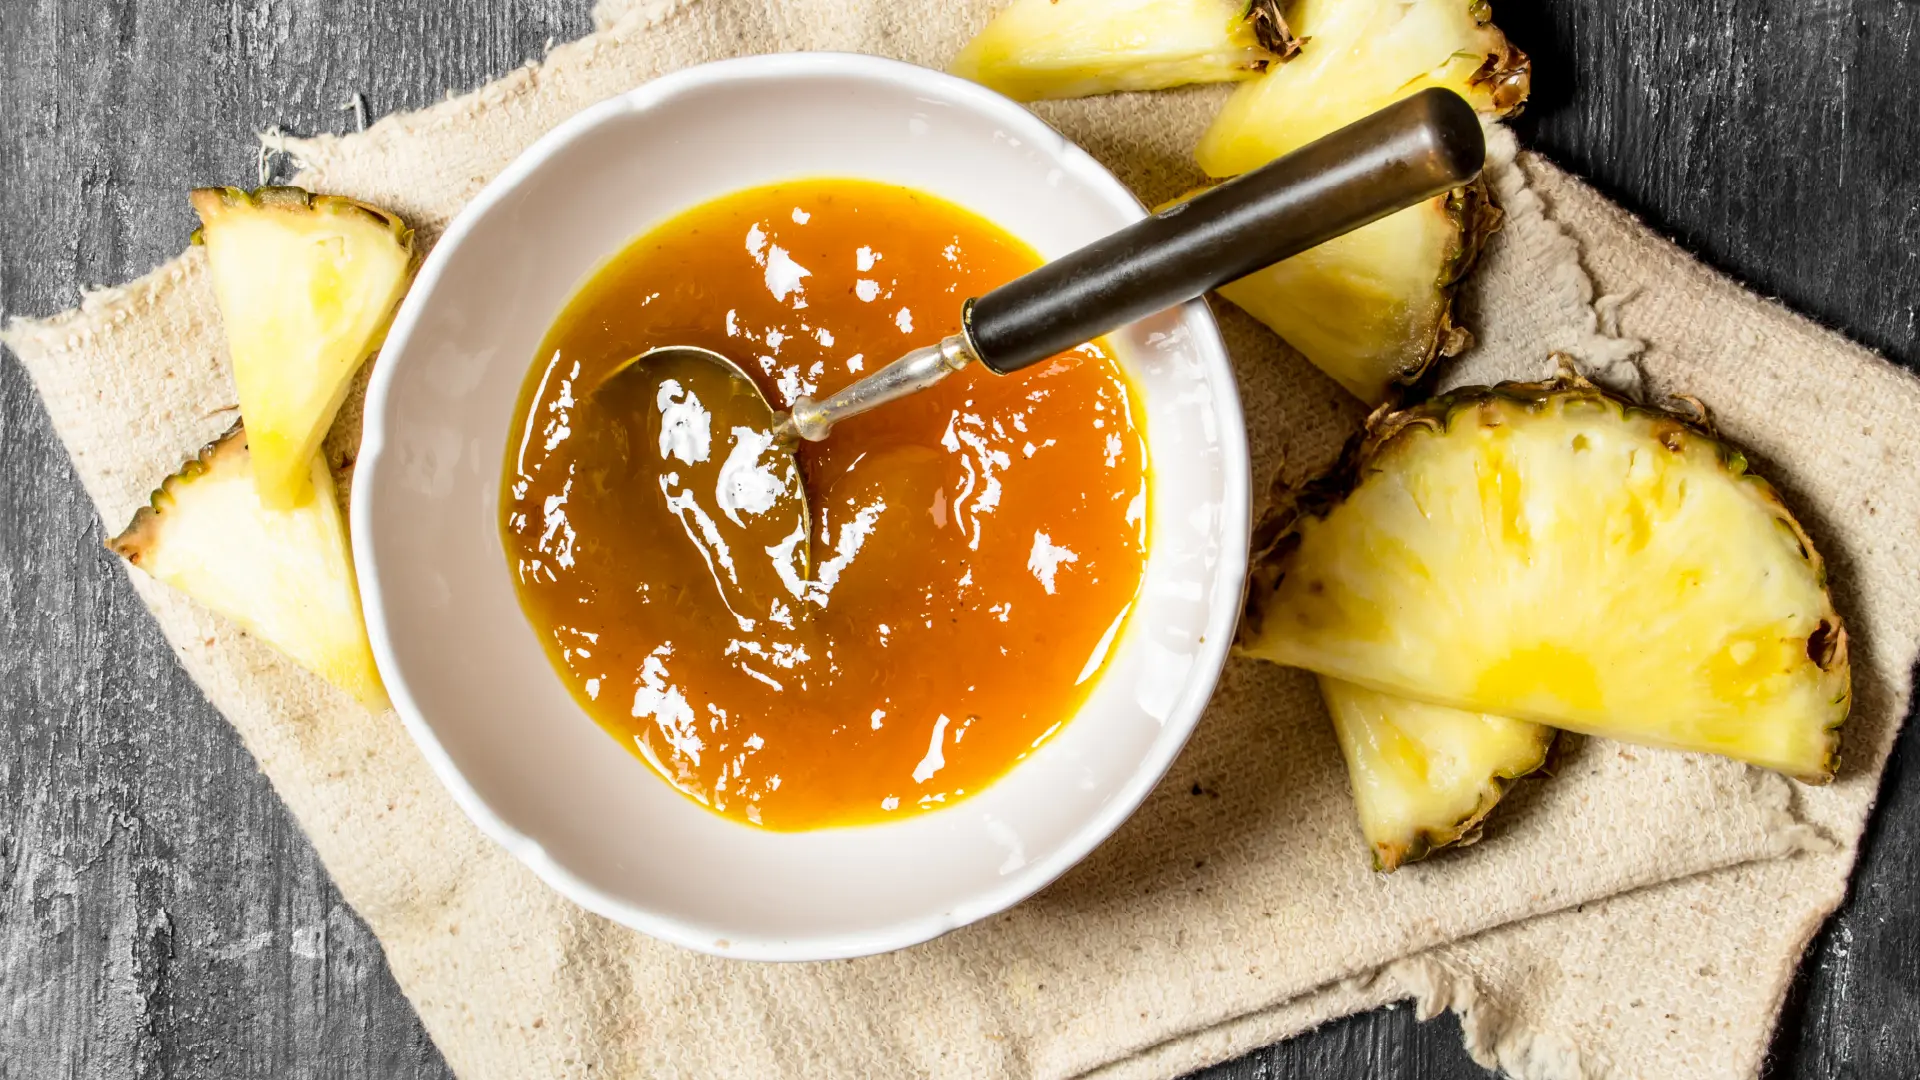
pixel 1408 152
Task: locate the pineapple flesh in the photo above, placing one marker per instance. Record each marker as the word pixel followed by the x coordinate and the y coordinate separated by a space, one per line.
pixel 1373 309
pixel 1041 49
pixel 306 285
pixel 284 576
pixel 1424 776
pixel 1550 553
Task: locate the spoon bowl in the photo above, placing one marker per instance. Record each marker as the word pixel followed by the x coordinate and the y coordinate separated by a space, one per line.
pixel 751 481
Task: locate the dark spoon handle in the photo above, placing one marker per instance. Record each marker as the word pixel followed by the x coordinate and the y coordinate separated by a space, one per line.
pixel 1411 150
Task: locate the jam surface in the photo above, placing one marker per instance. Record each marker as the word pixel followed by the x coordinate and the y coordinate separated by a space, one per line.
pixel 974 549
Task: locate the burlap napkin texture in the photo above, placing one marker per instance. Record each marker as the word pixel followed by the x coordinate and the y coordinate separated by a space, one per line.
pixel 1639 915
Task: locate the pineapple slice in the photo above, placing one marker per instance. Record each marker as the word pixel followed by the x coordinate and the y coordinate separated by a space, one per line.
pixel 1357 56
pixel 1426 777
pixel 306 285
pixel 1040 49
pixel 283 575
pixel 1550 553
pixel 1374 308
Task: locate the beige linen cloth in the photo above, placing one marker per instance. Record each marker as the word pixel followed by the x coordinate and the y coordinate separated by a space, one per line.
pixel 1639 915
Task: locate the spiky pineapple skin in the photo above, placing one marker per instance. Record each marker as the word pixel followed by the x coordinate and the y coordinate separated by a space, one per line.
pixel 292 199
pixel 1278 536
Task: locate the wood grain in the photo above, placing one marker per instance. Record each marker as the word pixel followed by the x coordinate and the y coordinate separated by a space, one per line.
pixel 161 915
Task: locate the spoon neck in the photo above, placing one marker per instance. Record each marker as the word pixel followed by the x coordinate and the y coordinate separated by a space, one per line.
pixel 813 420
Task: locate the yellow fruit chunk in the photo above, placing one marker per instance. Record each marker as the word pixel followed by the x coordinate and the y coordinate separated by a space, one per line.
pixel 306 285
pixel 284 576
pixel 1040 49
pixel 1424 776
pixel 1374 307
pixel 1550 553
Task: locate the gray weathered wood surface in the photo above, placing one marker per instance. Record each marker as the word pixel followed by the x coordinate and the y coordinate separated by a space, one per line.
pixel 161 915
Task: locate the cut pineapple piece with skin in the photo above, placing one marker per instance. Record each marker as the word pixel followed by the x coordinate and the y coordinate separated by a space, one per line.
pixel 1357 56
pixel 1374 308
pixel 306 284
pixel 1550 553
pixel 1426 777
pixel 282 575
pixel 1040 49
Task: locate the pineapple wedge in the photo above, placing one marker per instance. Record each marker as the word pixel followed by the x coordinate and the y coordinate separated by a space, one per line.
pixel 1426 777
pixel 1374 308
pixel 1548 552
pixel 1357 56
pixel 1040 49
pixel 282 575
pixel 306 285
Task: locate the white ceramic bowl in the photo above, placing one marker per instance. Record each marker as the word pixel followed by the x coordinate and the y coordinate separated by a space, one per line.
pixel 473 685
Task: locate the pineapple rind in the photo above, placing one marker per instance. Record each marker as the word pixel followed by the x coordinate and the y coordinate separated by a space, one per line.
pixel 306 285
pixel 1358 56
pixel 1374 308
pixel 1036 50
pixel 283 575
pixel 1425 777
pixel 1510 613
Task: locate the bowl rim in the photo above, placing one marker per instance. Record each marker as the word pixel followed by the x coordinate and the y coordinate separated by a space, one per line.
pixel 1209 658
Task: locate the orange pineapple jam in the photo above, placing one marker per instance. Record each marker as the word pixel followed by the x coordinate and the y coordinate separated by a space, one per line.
pixel 975 548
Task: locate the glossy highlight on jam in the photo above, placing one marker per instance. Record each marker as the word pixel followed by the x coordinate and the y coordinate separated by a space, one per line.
pixel 975 548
